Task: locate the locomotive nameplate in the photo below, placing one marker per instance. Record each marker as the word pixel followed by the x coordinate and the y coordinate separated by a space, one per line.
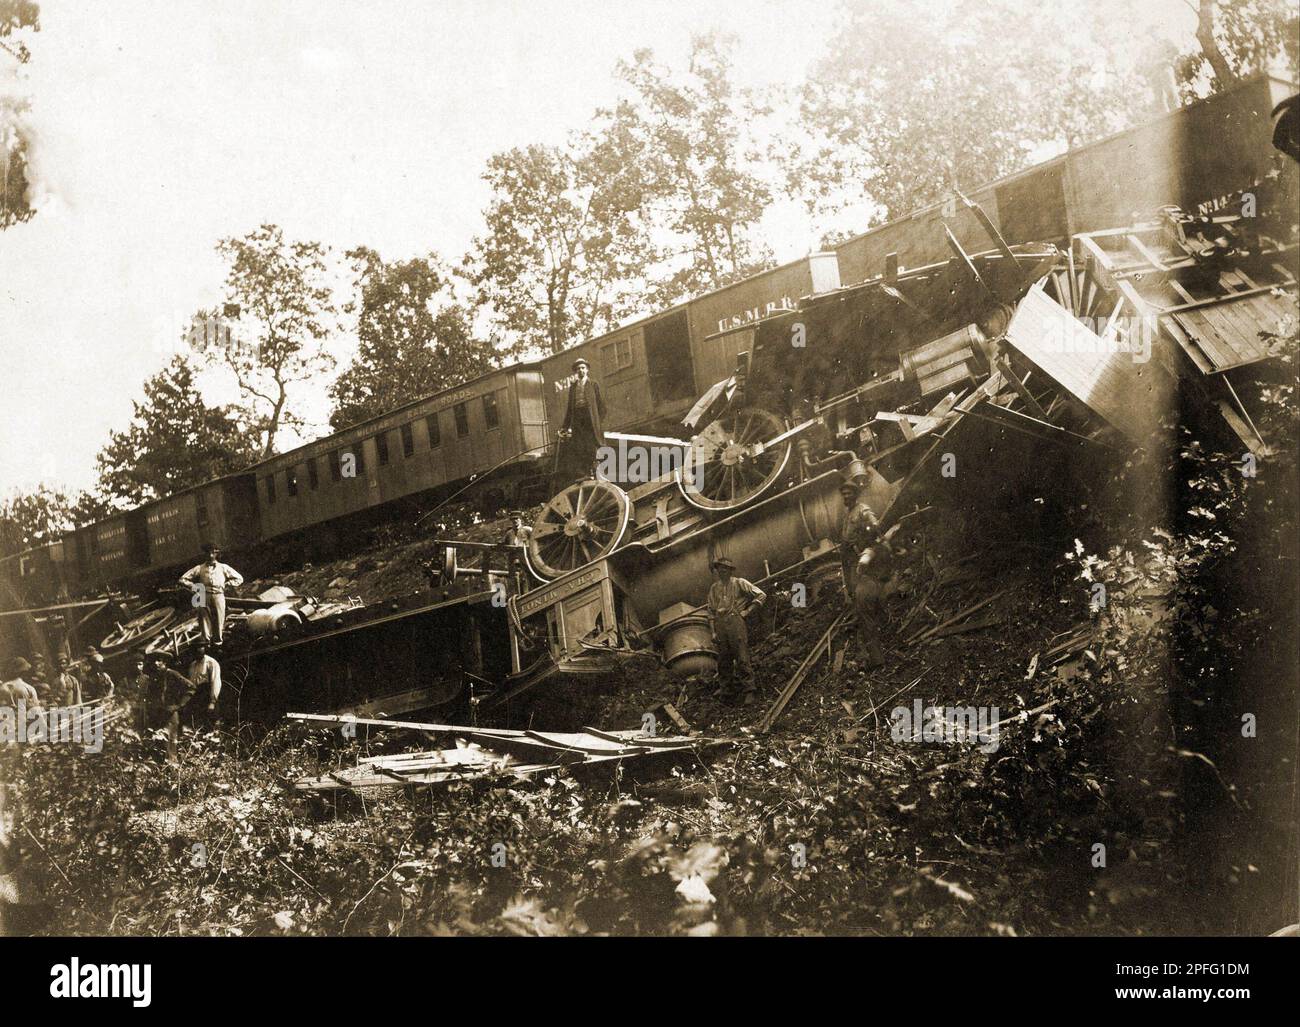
pixel 539 599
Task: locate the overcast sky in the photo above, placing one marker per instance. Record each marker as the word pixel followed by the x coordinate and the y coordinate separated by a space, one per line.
pixel 164 126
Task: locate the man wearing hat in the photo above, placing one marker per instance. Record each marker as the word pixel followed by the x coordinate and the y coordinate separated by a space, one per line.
pixel 204 673
pixel 731 599
pixel 867 562
pixel 67 686
pixel 14 689
pixel 135 689
pixel 170 691
pixel 582 431
pixel 518 533
pixel 858 529
pixel 97 682
pixel 209 581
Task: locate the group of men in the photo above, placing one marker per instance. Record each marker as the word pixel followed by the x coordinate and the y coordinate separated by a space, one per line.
pixel 156 691
pixel 32 682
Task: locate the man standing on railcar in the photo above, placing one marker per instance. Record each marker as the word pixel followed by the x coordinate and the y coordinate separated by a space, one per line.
pixel 209 581
pixel 582 432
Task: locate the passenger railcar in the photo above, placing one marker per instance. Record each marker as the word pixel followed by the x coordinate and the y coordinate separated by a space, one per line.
pixel 427 446
pixel 162 535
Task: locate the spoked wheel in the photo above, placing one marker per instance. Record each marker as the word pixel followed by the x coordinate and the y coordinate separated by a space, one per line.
pixel 583 523
pixel 177 639
pixel 722 471
pixel 139 629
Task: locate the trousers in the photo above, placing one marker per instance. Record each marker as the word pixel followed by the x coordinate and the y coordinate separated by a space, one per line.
pixel 212 617
pixel 733 651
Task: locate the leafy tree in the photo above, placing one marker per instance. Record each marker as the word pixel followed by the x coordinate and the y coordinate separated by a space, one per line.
pixel 16 18
pixel 687 135
pixel 281 287
pixel 564 241
pixel 174 442
pixel 33 518
pixel 903 108
pixel 1238 39
pixel 414 338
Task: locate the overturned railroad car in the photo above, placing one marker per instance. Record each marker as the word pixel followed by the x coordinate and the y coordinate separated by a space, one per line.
pixel 1201 157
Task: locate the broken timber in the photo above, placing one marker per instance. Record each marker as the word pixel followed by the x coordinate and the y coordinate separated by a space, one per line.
pixel 822 647
pixel 486 752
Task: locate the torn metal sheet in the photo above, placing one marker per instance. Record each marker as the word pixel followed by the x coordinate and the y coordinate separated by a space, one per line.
pixel 1130 393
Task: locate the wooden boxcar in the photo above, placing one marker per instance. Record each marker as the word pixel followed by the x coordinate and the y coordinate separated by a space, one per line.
pixel 650 372
pixel 421 447
pixel 223 511
pixel 1195 157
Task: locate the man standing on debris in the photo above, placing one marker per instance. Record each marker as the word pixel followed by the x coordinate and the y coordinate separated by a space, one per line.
pixel 582 431
pixel 731 599
pixel 205 672
pixel 518 533
pixel 867 565
pixel 209 581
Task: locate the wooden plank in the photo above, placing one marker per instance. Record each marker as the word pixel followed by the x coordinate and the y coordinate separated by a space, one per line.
pixel 797 680
pixel 961 614
pixel 1021 389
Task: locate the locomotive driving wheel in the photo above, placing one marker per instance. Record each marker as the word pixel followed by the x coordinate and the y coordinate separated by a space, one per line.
pixel 723 470
pixel 583 523
pixel 141 628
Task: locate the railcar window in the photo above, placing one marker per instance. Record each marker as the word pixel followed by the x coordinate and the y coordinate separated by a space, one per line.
pixel 336 471
pixel 291 481
pixel 462 420
pixel 313 474
pixel 491 416
pixel 381 445
pixel 270 490
pixel 435 432
pixel 618 355
pixel 408 441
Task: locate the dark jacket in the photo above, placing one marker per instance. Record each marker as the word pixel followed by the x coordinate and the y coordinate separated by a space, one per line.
pixel 595 404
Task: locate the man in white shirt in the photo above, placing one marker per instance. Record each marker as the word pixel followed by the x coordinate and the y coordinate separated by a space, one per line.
pixel 209 581
pixel 731 600
pixel 205 674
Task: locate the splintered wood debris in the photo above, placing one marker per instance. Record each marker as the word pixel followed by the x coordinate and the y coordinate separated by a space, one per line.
pixel 487 752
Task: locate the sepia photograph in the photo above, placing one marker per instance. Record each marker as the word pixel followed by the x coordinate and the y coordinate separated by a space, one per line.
pixel 502 469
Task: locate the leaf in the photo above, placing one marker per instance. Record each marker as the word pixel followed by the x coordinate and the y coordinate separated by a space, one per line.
pixel 694 889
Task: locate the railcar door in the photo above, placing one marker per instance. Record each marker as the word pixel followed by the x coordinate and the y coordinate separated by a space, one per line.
pixel 668 357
